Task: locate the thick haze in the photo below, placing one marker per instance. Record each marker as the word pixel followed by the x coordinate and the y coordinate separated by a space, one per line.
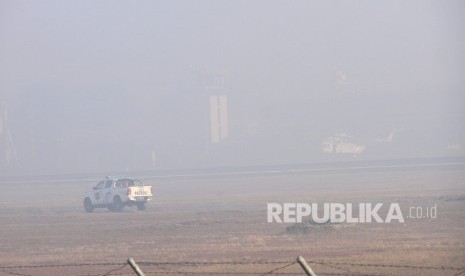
pixel 97 86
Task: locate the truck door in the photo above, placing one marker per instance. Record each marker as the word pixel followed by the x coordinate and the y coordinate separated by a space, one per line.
pixel 97 195
pixel 107 192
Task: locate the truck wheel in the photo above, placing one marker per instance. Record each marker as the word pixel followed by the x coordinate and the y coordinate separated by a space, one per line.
pixel 88 207
pixel 141 206
pixel 117 204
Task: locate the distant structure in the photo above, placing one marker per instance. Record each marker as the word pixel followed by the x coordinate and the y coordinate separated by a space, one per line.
pixel 8 156
pixel 340 144
pixel 218 102
pixel 455 148
pixel 388 139
pixel 341 81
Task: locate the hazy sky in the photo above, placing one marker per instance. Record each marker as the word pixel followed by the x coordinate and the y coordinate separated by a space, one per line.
pixel 99 85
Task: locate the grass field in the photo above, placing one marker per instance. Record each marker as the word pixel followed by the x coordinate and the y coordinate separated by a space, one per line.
pixel 218 224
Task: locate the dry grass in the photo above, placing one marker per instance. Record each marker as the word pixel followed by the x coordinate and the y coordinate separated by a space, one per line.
pixel 225 220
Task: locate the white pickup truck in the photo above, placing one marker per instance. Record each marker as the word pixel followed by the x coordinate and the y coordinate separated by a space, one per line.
pixel 115 193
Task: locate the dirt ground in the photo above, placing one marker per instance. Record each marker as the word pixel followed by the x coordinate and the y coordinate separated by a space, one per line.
pixel 218 226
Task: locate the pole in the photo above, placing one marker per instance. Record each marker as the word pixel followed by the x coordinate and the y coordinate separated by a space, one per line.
pixel 305 266
pixel 135 267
